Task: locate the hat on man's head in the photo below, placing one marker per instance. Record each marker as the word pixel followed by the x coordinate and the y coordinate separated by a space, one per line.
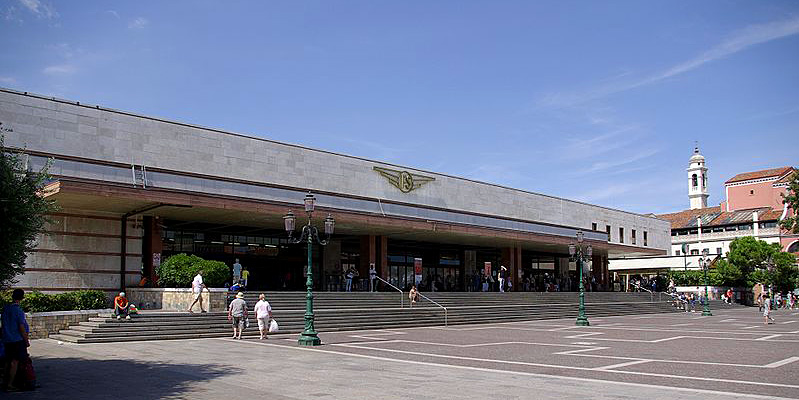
pixel 239 295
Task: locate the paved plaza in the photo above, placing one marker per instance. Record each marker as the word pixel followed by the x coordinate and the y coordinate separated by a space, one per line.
pixel 730 355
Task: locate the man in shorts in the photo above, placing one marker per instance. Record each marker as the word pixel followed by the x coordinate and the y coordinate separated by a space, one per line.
pixel 197 286
pixel 237 314
pixel 15 338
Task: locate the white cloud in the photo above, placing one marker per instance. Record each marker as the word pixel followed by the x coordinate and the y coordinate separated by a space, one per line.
pixel 42 10
pixel 607 192
pixel 113 13
pixel 618 161
pixel 739 41
pixel 7 80
pixel 62 69
pixel 139 23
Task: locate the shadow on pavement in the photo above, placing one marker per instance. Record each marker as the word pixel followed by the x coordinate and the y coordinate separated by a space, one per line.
pixel 78 378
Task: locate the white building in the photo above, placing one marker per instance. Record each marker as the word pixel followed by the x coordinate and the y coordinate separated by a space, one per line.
pixel 753 207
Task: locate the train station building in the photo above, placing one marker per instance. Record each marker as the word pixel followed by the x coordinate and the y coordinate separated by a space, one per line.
pixel 133 190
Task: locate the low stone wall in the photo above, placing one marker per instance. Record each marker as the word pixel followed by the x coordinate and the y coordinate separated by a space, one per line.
pixel 176 299
pixel 740 295
pixel 45 323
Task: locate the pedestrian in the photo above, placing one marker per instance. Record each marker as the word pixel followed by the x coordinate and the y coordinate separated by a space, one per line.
pixel 350 275
pixel 758 293
pixel 767 310
pixel 236 271
pixel 503 272
pixel 197 286
pixel 413 295
pixel 15 339
pixel 245 276
pixel 729 296
pixel 237 314
pixel 485 282
pixel 372 278
pixel 263 313
pixel 121 306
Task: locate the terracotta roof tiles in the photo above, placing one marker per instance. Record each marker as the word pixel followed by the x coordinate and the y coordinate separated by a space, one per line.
pixel 766 173
pixel 787 178
pixel 713 216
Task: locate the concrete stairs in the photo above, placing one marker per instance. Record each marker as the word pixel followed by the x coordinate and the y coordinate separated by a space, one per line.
pixel 339 311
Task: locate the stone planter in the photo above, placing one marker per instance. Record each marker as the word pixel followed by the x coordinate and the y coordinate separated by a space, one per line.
pixel 176 299
pixel 45 323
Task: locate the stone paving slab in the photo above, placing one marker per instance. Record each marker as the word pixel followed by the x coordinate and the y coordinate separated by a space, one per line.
pixel 671 356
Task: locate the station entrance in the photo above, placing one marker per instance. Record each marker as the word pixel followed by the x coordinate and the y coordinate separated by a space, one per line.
pixel 277 264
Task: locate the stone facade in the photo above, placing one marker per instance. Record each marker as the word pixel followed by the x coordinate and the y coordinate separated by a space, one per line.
pixel 82 251
pixel 69 129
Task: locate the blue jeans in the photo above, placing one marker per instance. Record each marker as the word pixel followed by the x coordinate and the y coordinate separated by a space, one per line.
pixel 349 284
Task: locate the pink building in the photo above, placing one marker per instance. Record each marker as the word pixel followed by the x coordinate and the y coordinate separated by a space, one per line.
pixel 763 189
pixel 757 189
pixel 753 207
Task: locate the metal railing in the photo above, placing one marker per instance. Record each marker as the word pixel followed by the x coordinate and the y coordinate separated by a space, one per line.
pixel 651 293
pixel 402 296
pixel 434 302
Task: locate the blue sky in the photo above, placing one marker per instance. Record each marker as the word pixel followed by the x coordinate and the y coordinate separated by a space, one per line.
pixel 593 101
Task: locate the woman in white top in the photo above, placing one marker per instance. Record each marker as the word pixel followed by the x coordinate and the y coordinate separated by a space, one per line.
pixel 263 313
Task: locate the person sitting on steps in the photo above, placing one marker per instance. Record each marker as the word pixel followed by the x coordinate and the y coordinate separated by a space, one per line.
pixel 121 306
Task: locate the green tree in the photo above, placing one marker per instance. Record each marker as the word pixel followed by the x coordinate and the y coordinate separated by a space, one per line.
pixel 758 276
pixel 23 212
pixel 748 253
pixel 687 278
pixel 762 262
pixel 726 274
pixel 791 198
pixel 784 274
pixel 179 270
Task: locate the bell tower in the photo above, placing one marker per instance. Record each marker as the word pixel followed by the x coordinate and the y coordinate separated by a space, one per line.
pixel 697 180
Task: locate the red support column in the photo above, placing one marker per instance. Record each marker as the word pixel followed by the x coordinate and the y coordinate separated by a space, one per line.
pixel 382 264
pixel 368 255
pixel 152 247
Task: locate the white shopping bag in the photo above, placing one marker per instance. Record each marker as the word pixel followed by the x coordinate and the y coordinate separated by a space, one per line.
pixel 273 326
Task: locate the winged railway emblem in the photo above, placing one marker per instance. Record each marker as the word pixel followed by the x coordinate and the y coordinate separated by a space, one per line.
pixel 403 180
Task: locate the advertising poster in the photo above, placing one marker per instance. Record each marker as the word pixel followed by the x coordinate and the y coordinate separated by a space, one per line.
pixel 417 270
pixel 487 268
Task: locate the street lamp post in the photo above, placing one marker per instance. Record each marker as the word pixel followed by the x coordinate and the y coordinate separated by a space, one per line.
pixel 705 264
pixel 309 336
pixel 576 253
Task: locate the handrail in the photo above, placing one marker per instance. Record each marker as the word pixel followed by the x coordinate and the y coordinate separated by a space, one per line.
pixel 434 302
pixel 651 293
pixel 402 296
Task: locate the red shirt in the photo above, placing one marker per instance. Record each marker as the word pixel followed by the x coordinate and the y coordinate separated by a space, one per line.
pixel 121 302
